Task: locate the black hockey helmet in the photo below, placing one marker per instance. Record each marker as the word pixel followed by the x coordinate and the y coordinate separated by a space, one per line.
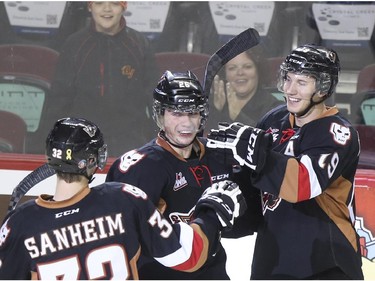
pixel 317 61
pixel 76 146
pixel 180 92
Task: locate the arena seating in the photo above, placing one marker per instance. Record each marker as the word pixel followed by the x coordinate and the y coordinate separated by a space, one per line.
pixel 182 61
pixel 26 73
pixel 12 133
pixel 366 78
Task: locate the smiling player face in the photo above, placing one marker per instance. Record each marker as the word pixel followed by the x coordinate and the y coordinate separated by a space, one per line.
pixel 180 127
pixel 298 90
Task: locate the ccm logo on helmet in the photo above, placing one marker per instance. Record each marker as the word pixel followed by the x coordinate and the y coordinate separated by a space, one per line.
pixel 295 61
pixel 185 100
pixel 252 140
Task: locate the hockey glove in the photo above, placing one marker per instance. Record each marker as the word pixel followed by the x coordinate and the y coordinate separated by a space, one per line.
pixel 243 145
pixel 225 199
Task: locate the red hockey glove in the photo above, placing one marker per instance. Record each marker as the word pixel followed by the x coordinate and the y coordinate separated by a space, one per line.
pixel 226 199
pixel 243 145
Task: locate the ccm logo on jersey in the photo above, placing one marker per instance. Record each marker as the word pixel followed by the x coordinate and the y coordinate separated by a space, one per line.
pixel 67 213
pixel 252 140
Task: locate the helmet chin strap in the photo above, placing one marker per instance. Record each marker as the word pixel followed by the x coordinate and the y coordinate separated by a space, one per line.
pixel 162 134
pixel 91 177
pixel 312 103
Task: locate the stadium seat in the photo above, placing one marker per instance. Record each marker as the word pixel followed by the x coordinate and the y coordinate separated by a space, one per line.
pixel 182 61
pixel 29 61
pixel 363 108
pixel 12 132
pixel 367 138
pixel 366 79
pixel 26 73
pixel 273 66
pixel 189 28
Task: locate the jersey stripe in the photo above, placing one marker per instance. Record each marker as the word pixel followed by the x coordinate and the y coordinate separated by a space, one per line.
pixel 312 182
pixel 195 256
pixel 183 254
pixel 303 183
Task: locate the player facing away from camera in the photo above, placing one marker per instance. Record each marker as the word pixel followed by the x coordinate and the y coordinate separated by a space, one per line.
pixel 98 232
pixel 302 157
pixel 175 168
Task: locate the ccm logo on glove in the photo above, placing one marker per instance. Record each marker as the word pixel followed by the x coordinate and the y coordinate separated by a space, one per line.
pixel 252 141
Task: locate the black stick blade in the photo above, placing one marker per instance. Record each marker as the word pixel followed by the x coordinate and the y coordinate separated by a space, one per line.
pixel 240 43
pixel 36 176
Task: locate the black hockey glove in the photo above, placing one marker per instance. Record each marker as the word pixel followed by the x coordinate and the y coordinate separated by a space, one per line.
pixel 243 145
pixel 226 199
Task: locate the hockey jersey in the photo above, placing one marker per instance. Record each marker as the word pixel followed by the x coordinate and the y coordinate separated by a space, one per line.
pixel 97 234
pixel 308 198
pixel 174 184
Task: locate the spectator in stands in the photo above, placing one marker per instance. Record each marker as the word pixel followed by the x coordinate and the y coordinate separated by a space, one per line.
pixel 104 74
pixel 239 96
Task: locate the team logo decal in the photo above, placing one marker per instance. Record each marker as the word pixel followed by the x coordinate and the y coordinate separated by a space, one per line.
pixel 176 217
pixel 128 71
pixel 273 132
pixel 341 134
pixel 202 175
pixel 180 182
pixel 287 134
pixel 90 130
pixel 270 202
pixel 128 159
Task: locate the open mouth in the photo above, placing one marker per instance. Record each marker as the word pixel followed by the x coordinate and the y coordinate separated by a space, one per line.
pixel 293 100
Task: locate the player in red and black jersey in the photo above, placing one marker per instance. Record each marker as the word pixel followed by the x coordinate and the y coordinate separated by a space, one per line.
pixel 175 168
pixel 303 158
pixel 98 233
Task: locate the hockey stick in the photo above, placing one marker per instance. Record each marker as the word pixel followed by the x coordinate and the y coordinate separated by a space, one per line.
pixel 240 43
pixel 36 176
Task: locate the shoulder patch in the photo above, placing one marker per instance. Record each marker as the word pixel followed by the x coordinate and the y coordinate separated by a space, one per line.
pixel 129 159
pixel 340 133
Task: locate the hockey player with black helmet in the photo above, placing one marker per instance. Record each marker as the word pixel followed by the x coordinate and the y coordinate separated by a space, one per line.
pixel 175 168
pixel 98 232
pixel 302 156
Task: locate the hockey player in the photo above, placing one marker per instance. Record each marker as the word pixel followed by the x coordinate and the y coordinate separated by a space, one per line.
pixel 303 157
pixel 97 233
pixel 175 168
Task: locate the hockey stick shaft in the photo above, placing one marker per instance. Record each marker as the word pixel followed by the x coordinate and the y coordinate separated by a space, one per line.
pixel 240 43
pixel 36 176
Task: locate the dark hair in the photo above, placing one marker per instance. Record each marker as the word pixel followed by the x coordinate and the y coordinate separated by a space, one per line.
pixel 256 54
